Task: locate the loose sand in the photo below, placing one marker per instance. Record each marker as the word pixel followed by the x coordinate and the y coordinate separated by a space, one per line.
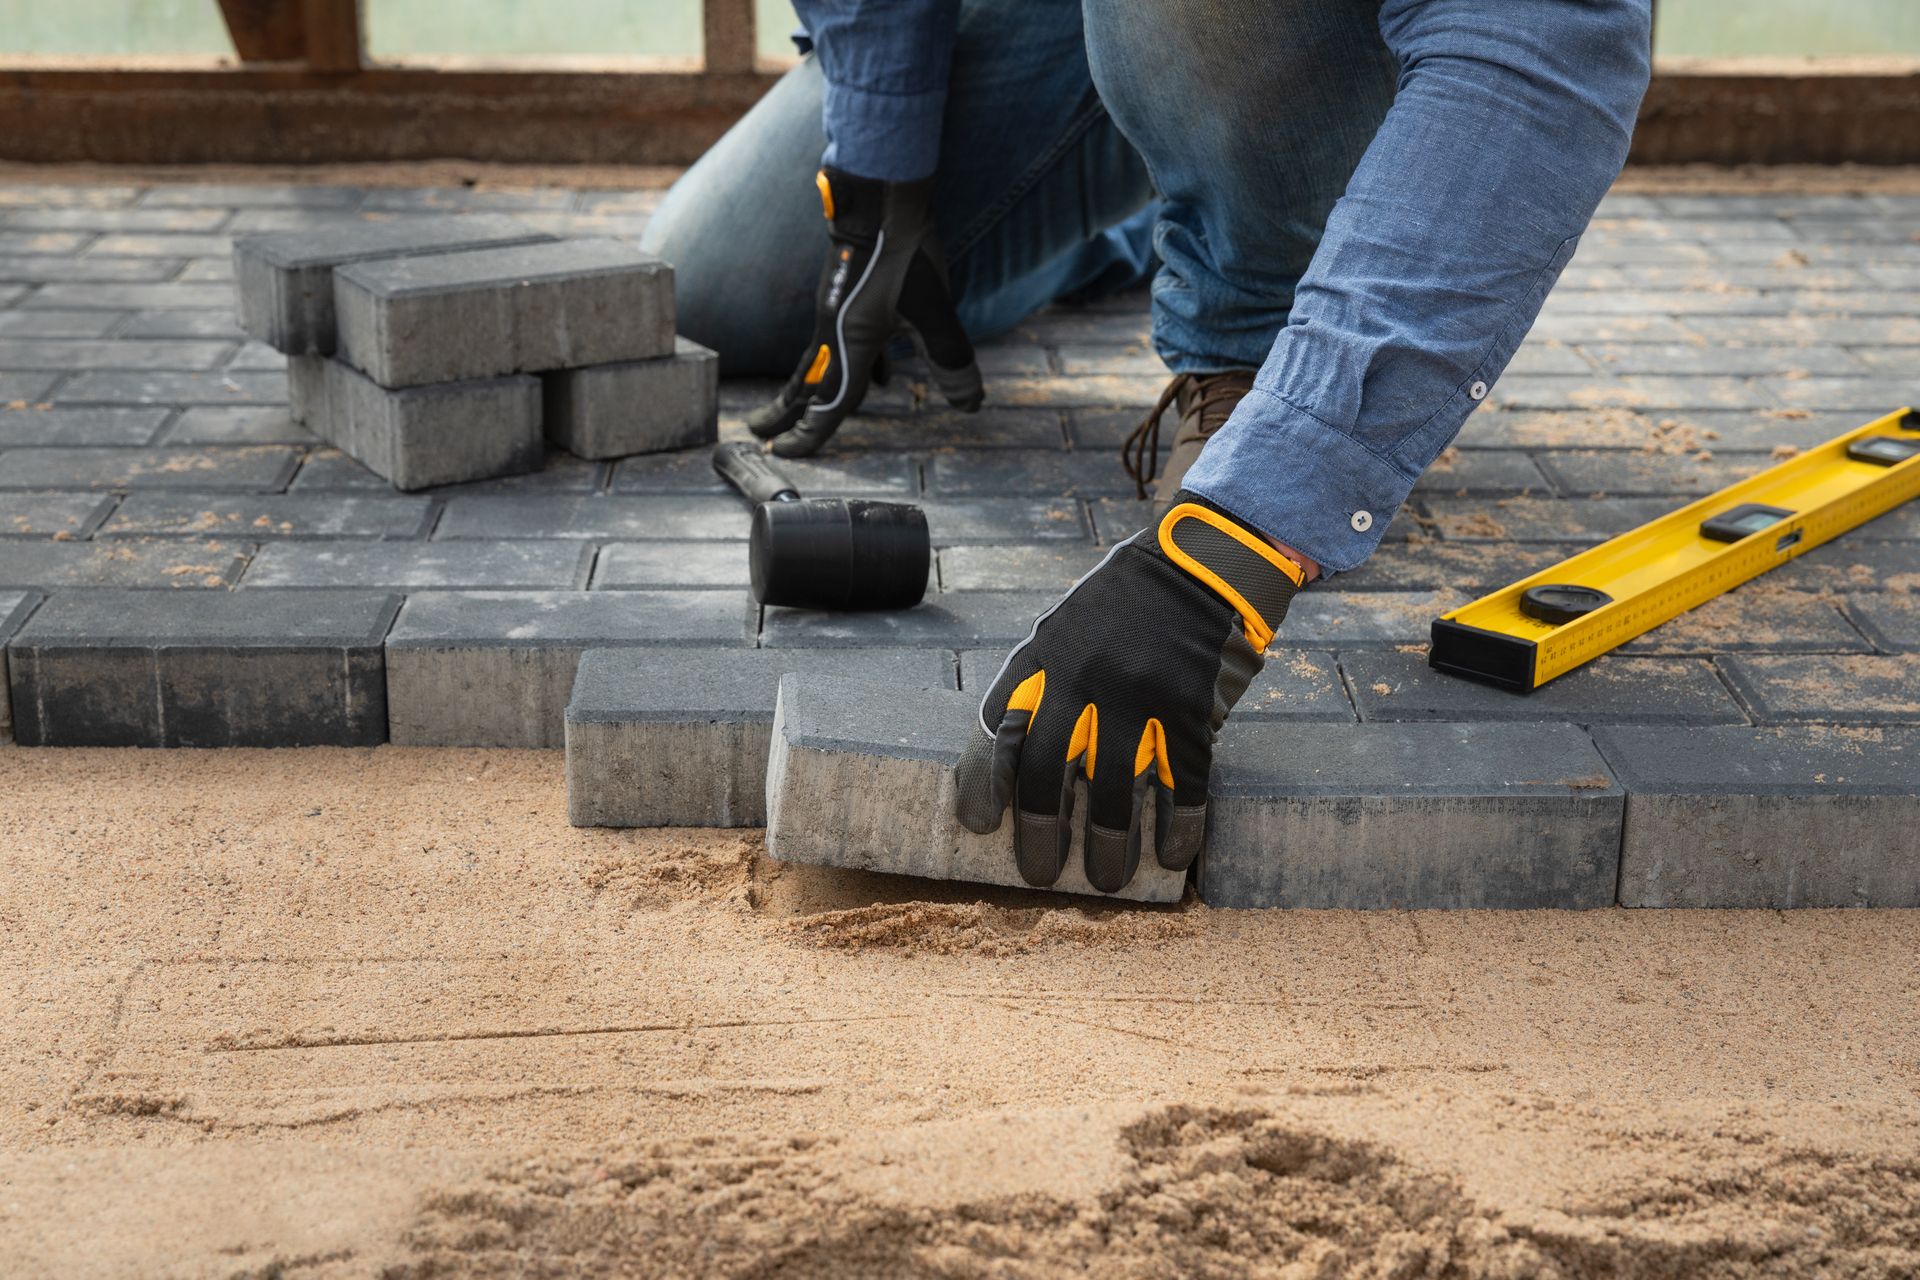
pixel 331 1013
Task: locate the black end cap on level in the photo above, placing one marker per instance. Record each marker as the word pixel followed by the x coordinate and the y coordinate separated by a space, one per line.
pixel 1505 662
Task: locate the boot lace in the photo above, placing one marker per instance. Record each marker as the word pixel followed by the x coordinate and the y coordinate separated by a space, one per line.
pixel 1140 451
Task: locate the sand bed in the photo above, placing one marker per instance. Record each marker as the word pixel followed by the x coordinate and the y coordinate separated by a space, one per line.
pixel 383 1013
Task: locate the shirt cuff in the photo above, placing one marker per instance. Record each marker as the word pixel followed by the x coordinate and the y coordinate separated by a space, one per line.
pixel 1296 479
pixel 888 137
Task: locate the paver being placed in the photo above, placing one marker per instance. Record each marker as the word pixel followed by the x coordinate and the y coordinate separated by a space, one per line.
pixel 1410 815
pixel 1797 816
pixel 679 737
pixel 495 668
pixel 285 279
pixel 1293 684
pixel 456 316
pixel 1401 686
pixel 862 775
pixel 636 406
pixel 14 608
pixel 422 436
pixel 434 566
pixel 202 669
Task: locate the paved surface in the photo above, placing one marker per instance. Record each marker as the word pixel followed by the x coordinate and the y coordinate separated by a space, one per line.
pixel 145 445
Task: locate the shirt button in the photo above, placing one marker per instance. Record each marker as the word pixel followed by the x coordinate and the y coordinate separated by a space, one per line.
pixel 1478 391
pixel 1362 521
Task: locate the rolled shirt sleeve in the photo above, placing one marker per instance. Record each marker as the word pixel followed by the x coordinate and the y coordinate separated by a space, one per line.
pixel 886 66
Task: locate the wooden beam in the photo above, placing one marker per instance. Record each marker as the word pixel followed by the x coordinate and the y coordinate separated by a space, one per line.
pixel 332 34
pixel 728 42
pixel 1780 111
pixel 266 30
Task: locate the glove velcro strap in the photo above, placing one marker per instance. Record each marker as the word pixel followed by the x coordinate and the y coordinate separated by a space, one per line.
pixel 1237 563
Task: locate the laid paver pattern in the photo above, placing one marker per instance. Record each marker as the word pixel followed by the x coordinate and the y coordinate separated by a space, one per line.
pixel 146 445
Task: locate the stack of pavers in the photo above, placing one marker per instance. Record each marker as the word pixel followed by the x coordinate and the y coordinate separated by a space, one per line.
pixel 413 345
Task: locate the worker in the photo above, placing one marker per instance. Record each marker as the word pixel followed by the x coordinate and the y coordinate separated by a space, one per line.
pixel 1351 211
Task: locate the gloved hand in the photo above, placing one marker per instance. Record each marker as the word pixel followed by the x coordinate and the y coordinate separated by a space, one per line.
pixel 1126 681
pixel 884 274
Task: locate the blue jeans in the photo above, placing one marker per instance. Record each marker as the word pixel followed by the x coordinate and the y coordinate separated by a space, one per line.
pixel 1365 200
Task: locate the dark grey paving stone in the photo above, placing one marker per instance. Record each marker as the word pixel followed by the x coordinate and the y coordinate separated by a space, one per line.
pixel 18 390
pixel 1086 473
pixel 837 475
pixel 1477 471
pixel 52 515
pixel 246 469
pixel 250 196
pixel 861 774
pixel 635 406
pixel 14 608
pixel 285 279
pixel 961 620
pixel 679 737
pixel 1684 359
pixel 132 297
pixel 1402 687
pixel 81 218
pixel 1806 816
pixel 271 516
pixel 1322 617
pixel 1017 568
pixel 270 424
pixel 1867 396
pixel 954 521
pixel 1410 816
pixel 50 426
pixel 61 270
pixel 422 566
pixel 461 199
pixel 160 387
pixel 1849 564
pixel 202 669
pixel 419 437
pixel 1472 567
pixel 1101 431
pixel 626 566
pixel 60 354
pixel 1619 473
pixel 252 221
pixel 54 324
pixel 1901 524
pixel 171 564
pixel 495 668
pixel 161 245
pixel 1294 684
pixel 1078 358
pixel 1762 617
pixel 215 322
pixel 1891 619
pixel 446 317
pixel 330 471
pixel 993 427
pixel 1582 520
pixel 1657 433
pixel 1842 688
pixel 628 519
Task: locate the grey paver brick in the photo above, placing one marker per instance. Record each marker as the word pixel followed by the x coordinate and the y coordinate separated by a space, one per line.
pixel 961 620
pixel 862 775
pixel 1049 472
pixel 1803 816
pixel 1845 688
pixel 421 436
pixel 244 469
pixel 1054 567
pixel 835 475
pixel 1760 617
pixel 421 566
pixel 679 737
pixel 993 427
pixel 445 317
pixel 173 563
pixel 161 387
pixel 1851 564
pixel 495 668
pixel 329 470
pixel 1325 617
pixel 1890 619
pixel 625 566
pixel 1618 473
pixel 84 353
pixel 285 279
pixel 1294 684
pixel 637 406
pixel 18 243
pixel 250 196
pixel 202 669
pixel 137 244
pixel 953 521
pixel 189 323
pixel 19 389
pixel 1902 524
pixel 1402 687
pixel 1868 397
pixel 256 357
pixel 49 426
pixel 1645 391
pixel 132 297
pixel 81 218
pixel 611 518
pixel 1542 519
pixel 207 270
pixel 1472 567
pixel 209 424
pixel 1410 815
pixel 1685 359
pixel 14 608
pixel 271 516
pixel 54 324
pixel 462 199
pixel 49 515
pixel 42 269
pixel 1478 471
pixel 1584 327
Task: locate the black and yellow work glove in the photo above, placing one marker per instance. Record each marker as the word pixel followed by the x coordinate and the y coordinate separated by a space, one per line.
pixel 884 275
pixel 1125 682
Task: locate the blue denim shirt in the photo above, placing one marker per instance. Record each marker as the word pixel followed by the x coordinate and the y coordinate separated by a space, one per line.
pixel 886 65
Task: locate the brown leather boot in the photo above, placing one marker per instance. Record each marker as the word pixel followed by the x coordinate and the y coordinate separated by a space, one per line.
pixel 1204 401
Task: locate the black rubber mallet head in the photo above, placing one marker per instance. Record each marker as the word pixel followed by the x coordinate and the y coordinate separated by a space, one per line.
pixel 826 553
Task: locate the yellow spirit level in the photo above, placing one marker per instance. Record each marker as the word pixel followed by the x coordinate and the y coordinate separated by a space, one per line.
pixel 1540 627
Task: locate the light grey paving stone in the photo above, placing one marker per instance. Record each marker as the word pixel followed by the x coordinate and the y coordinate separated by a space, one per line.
pixel 861 775
pixel 1803 816
pixel 459 199
pixel 251 221
pixel 1322 617
pixel 217 322
pixel 962 620
pixel 81 218
pixel 1838 688
pixel 1890 619
pixel 417 437
pixel 285 279
pixel 163 387
pixel 52 515
pixel 636 406
pixel 452 316
pixel 1049 472
pixel 270 516
pixel 14 608
pixel 1477 471
pixel 243 469
pixel 256 357
pixel 207 270
pixel 169 564
pixel 131 297
pixel 330 471
pixel 626 566
pixel 619 518
pixel 1054 567
pixel 16 243
pixel 160 245
pixel 1760 617
pixel 1867 397
pixel 250 196
pixel 49 195
pixel 1622 473
pixel 1294 684
pixel 1686 358
pixel 422 566
pixel 953 521
pixel 679 737
pixel 37 269
pixel 54 324
pixel 206 424
pixel 1542 519
pixel 1471 567
pixel 1401 687
pixel 20 390
pixel 993 427
pixel 836 475
pixel 1585 326
pixel 10 294
pixel 494 668
pixel 1644 391
pixel 1410 816
pixel 202 669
